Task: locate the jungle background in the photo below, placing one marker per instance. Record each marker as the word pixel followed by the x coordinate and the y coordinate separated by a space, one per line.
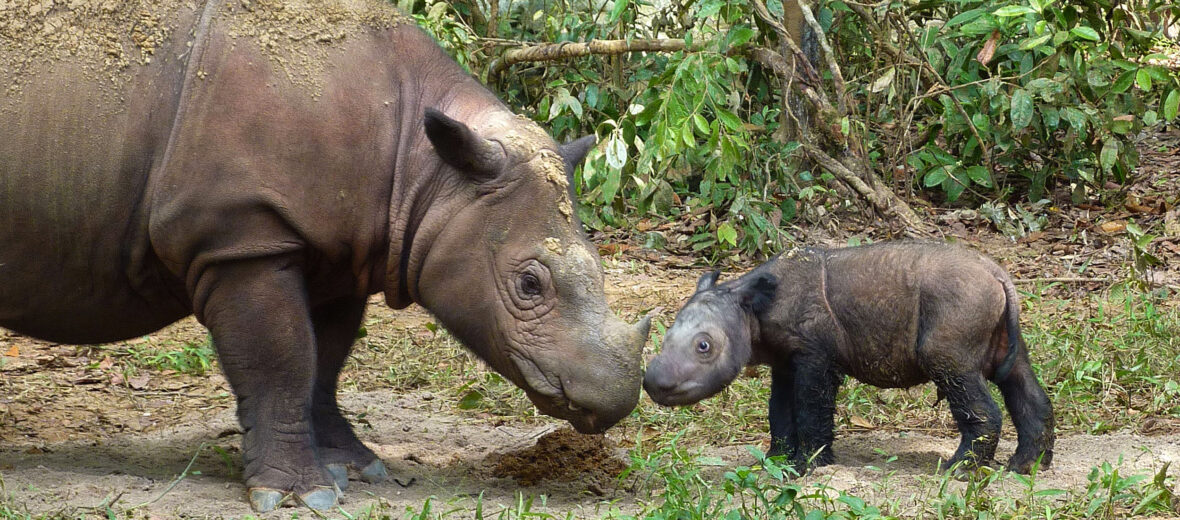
pixel 1039 132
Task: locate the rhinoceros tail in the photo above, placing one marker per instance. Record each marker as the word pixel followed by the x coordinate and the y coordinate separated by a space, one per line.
pixel 1012 318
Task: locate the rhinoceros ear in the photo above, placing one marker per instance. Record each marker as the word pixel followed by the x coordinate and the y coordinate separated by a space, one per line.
pixel 758 293
pixel 462 148
pixel 574 151
pixel 707 280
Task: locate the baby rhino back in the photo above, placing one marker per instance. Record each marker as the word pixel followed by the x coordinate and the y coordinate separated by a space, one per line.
pixel 893 301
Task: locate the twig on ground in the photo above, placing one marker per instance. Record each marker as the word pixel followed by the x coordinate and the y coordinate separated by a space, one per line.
pixel 175 481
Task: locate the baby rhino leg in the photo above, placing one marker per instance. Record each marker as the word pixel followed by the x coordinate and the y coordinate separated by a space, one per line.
pixel 783 438
pixel 816 383
pixel 975 413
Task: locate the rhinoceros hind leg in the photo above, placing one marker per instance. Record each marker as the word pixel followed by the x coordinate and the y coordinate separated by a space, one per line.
pixel 336 324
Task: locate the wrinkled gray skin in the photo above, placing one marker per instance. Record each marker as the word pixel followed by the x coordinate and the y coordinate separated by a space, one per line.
pixel 891 315
pixel 272 215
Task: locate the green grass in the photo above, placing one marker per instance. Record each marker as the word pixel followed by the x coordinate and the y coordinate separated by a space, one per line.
pixel 191 357
pixel 675 483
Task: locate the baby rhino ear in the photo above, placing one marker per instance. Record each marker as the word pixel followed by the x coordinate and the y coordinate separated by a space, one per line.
pixel 758 294
pixel 707 280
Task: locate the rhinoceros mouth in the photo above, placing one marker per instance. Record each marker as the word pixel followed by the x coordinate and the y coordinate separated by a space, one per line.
pixel 536 379
pixel 551 399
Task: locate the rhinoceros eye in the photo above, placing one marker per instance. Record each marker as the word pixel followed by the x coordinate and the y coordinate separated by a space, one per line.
pixel 703 346
pixel 530 285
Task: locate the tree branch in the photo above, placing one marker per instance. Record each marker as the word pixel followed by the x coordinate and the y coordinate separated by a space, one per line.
pixel 566 50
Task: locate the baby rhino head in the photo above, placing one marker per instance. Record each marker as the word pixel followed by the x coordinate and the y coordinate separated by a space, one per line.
pixel 709 343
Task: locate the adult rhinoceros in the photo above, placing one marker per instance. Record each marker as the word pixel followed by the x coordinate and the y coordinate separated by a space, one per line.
pixel 268 165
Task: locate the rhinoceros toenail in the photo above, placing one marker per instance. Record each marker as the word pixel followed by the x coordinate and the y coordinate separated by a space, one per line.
pixel 339 474
pixel 375 472
pixel 320 499
pixel 263 500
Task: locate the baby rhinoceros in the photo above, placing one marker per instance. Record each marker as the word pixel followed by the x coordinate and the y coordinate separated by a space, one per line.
pixel 892 315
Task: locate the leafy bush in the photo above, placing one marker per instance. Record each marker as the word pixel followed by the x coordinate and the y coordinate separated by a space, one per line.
pixel 1043 91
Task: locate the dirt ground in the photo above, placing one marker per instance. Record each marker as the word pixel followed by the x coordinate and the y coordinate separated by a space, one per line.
pixel 72 443
pixel 78 435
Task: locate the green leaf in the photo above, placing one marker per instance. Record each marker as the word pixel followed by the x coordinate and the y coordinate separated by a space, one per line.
pixel 1077 119
pixel 701 124
pixel 980 175
pixel 617 11
pixel 954 187
pixel 1150 118
pixel 1172 104
pixel 1124 82
pixel 710 8
pixel 726 234
pixel 936 176
pixel 982 123
pixel 470 400
pixel 731 121
pixel 1143 79
pixel 739 35
pixel 1109 154
pixel 964 17
pixel 1035 42
pixel 1159 73
pixel 616 152
pixel 1013 10
pixel 1085 33
pixel 1022 108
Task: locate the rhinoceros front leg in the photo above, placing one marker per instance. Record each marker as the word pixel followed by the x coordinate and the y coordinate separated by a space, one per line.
pixel 336 324
pixel 258 315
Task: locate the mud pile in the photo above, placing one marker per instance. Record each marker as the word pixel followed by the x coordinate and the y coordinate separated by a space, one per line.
pixel 564 456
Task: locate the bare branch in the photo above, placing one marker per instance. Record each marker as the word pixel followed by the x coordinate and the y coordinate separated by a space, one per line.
pixel 882 199
pixel 829 56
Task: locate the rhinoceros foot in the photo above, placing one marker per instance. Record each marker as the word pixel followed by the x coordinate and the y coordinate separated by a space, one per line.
pixel 320 498
pixel 372 473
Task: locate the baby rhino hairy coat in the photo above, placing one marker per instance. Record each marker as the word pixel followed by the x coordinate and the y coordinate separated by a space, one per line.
pixel 892 315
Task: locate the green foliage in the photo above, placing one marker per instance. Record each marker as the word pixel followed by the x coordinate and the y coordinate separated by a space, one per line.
pixel 992 101
pixel 1049 90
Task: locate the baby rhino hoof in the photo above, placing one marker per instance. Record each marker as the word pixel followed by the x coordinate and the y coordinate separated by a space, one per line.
pixel 264 500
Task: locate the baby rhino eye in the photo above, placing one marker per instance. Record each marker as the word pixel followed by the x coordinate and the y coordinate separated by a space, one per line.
pixel 703 347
